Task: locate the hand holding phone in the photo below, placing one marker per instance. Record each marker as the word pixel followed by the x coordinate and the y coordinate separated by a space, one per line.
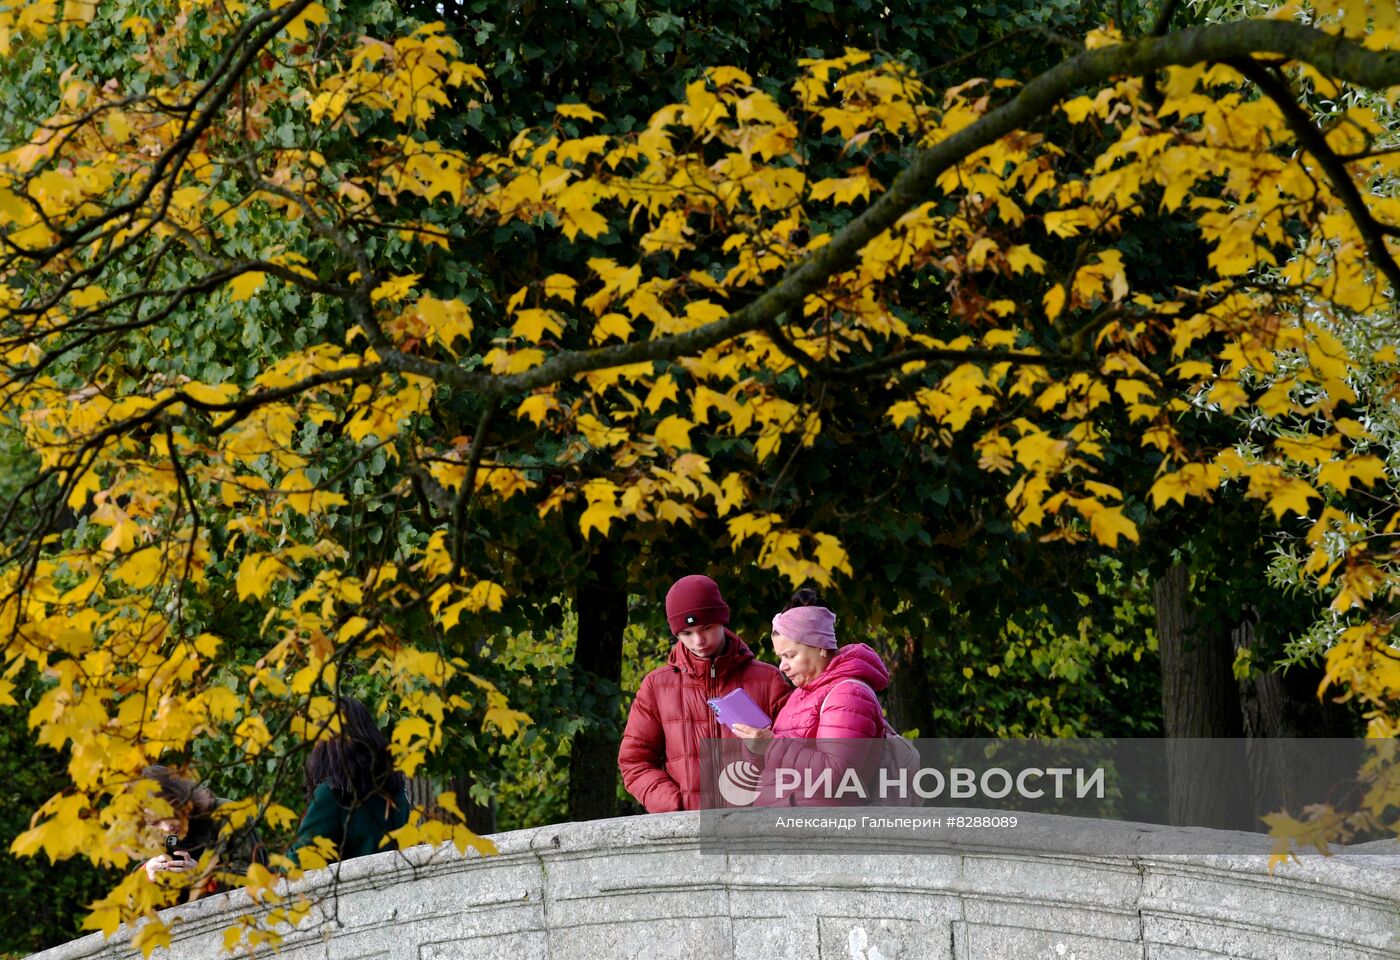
pixel 175 858
pixel 737 707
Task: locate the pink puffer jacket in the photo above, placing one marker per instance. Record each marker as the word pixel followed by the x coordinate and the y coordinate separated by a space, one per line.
pixel 827 709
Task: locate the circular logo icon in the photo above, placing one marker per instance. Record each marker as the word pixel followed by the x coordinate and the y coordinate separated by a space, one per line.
pixel 738 783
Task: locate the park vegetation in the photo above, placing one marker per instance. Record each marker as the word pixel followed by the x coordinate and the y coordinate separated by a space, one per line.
pixel 354 347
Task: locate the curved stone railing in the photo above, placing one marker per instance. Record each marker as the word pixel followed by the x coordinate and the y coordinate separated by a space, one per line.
pixel 659 887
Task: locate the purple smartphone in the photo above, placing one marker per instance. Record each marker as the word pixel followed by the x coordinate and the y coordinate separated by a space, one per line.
pixel 736 706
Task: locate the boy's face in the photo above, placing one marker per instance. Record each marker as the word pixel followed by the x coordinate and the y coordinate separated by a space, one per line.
pixel 704 640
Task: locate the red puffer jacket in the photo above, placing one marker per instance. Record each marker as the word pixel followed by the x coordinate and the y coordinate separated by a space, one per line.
pixel 826 710
pixel 660 754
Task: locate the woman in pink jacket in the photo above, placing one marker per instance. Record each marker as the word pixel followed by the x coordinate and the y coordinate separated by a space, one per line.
pixel 834 704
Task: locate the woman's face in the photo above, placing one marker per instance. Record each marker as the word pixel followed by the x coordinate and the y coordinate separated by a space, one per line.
pixel 797 661
pixel 160 826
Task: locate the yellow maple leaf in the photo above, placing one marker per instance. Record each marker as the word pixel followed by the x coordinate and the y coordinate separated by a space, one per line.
pixel 243 286
pixel 485 595
pixel 1108 524
pixel 1340 473
pixel 210 393
pixel 599 516
pixel 152 934
pixel 612 325
pixel 844 189
pixel 299 493
pixel 1021 258
pixel 299 28
pixel 505 719
pixel 1292 494
pixel 831 555
pixel 598 434
pixel 758 107
pixel 577 111
pixel 537 406
pixel 533 324
pixel 85 297
pixel 257 573
pixel 88 483
pixel 560 285
pixel 395 288
pixel 140 569
pixel 673 433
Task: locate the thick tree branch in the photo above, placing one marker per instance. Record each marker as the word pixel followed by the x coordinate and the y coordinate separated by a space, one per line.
pixel 874 368
pixel 1335 56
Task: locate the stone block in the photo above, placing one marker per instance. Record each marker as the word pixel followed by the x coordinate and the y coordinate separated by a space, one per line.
pixel 1106 882
pixel 695 938
pixel 854 869
pixel 759 938
pixel 514 946
pixel 1289 904
pixel 1242 940
pixel 641 907
pixel 980 941
pixel 883 938
pixel 1050 916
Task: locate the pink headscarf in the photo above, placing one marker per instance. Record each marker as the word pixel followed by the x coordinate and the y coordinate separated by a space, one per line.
pixel 813 626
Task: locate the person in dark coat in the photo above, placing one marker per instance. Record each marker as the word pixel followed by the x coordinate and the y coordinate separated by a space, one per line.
pixel 660 753
pixel 354 795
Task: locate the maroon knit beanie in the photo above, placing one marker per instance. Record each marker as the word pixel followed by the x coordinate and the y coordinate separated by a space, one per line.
pixel 694 601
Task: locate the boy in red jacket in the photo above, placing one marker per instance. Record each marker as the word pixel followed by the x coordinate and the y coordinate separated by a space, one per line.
pixel 660 754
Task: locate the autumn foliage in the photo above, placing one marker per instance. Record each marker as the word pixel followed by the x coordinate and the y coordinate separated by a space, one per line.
pixel 187 555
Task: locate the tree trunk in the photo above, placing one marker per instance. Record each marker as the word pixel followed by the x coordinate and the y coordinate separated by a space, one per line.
pixel 1200 699
pixel 1283 719
pixel 907 700
pixel 481 817
pixel 423 793
pixel 601 604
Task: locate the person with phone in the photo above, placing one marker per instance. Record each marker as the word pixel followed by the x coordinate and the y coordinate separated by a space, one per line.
pixel 833 709
pixel 189 830
pixel 670 716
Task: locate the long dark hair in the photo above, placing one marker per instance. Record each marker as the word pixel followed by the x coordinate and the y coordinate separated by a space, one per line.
pixel 356 763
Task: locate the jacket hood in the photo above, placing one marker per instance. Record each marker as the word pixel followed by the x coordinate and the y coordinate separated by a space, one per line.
pixel 736 653
pixel 854 661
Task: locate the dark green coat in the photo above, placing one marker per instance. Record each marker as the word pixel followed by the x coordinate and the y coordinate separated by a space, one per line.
pixel 356 829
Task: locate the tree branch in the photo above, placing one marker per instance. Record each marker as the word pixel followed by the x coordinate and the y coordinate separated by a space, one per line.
pixel 1312 140
pixel 1335 56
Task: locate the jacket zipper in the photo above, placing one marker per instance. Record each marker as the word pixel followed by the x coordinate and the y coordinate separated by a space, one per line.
pixel 709 693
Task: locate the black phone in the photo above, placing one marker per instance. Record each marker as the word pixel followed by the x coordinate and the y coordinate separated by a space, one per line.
pixel 171 842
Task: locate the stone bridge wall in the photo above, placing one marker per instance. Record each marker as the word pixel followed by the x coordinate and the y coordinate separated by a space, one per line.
pixel 649 887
